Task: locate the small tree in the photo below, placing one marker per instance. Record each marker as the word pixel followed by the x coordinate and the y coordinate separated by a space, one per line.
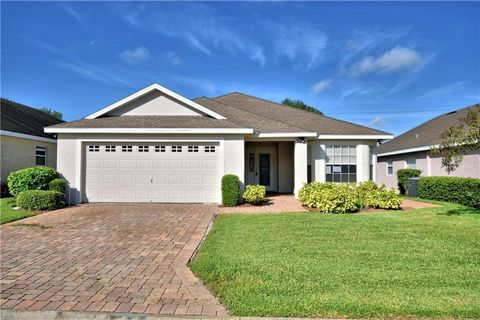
pixel 53 113
pixel 460 140
pixel 300 105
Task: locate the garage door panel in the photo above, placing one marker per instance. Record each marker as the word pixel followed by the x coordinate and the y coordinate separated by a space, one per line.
pixel 156 174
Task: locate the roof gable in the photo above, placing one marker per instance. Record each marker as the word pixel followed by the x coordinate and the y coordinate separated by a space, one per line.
pixel 155 100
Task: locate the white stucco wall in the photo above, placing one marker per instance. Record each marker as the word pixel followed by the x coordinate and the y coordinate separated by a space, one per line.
pixel 430 166
pixel 70 155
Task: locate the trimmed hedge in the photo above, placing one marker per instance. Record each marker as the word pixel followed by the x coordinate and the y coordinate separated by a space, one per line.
pixel 58 185
pixel 254 193
pixel 348 198
pixel 230 190
pixel 35 178
pixel 40 200
pixel 402 177
pixel 464 191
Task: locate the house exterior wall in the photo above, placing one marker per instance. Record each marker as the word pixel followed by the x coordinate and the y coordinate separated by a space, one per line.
pixel 285 166
pixel 318 155
pixel 19 153
pixel 71 157
pixel 430 166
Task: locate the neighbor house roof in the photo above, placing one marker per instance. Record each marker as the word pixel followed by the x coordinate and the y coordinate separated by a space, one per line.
pixel 294 117
pixel 19 118
pixel 426 135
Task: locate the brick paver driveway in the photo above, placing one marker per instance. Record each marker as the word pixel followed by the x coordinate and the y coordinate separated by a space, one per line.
pixel 107 257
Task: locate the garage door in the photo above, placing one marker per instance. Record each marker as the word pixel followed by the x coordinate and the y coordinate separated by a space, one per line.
pixel 146 172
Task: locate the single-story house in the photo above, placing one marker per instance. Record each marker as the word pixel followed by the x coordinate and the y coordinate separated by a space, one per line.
pixel 23 141
pixel 412 150
pixel 158 146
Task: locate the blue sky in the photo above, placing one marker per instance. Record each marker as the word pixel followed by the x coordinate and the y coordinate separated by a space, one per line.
pixel 389 65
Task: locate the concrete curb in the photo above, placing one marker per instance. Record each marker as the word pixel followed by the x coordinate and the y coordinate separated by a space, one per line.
pixel 8 314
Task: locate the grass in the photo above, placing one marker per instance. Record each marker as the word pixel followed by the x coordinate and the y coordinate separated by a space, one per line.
pixel 392 264
pixel 8 214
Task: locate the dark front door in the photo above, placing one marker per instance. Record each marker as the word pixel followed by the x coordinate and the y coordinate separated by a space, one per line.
pixel 264 169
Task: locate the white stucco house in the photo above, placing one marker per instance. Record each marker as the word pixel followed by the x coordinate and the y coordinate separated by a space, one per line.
pixel 157 146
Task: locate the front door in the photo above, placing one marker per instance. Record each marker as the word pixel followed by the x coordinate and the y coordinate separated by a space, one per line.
pixel 261 166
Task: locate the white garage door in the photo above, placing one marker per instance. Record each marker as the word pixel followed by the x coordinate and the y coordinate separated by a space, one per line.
pixel 147 172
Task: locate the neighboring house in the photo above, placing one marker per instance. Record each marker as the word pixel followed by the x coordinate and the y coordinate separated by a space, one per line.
pixel 23 140
pixel 412 150
pixel 158 146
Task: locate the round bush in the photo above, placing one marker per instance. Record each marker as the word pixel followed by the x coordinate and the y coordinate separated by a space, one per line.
pixel 402 177
pixel 40 200
pixel 58 185
pixel 230 190
pixel 254 193
pixel 35 178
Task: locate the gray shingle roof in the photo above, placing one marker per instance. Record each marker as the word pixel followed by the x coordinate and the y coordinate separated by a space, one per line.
pixel 20 118
pixel 149 122
pixel 426 134
pixel 306 121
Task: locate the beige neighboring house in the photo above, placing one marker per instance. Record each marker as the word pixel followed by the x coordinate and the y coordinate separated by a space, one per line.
pixel 412 150
pixel 23 140
pixel 158 146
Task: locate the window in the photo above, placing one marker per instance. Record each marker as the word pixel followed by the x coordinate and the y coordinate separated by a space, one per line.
pixel 176 148
pixel 127 148
pixel 159 148
pixel 411 163
pixel 40 156
pixel 93 148
pixel 390 167
pixel 192 148
pixel 341 163
pixel 209 148
pixel 143 148
pixel 110 148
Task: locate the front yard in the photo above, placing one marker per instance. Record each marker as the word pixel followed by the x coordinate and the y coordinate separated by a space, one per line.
pixel 8 214
pixel 417 263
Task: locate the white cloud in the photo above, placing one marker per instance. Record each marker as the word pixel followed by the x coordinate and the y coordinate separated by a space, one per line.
pixel 172 58
pixel 199 26
pixel 303 45
pixel 137 55
pixel 444 90
pixel 376 121
pixel 92 72
pixel 71 11
pixel 396 59
pixel 321 86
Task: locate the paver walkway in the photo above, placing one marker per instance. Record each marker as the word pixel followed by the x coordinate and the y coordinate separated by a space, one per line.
pixel 275 203
pixel 107 257
pixel 412 204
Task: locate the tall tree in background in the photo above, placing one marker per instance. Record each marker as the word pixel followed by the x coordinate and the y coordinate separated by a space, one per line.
pixel 300 105
pixel 458 141
pixel 53 113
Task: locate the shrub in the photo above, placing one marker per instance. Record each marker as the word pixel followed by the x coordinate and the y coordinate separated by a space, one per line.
pixel 230 190
pixel 402 177
pixel 383 199
pixel 36 178
pixel 254 193
pixel 40 200
pixel 330 197
pixel 464 191
pixel 58 185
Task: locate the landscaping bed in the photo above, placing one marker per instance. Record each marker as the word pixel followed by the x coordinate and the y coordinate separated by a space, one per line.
pixel 388 264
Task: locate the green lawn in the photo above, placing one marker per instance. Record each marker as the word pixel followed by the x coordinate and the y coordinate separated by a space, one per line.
pixel 418 263
pixel 8 214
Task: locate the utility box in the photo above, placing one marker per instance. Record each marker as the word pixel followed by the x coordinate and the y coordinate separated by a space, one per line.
pixel 412 187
